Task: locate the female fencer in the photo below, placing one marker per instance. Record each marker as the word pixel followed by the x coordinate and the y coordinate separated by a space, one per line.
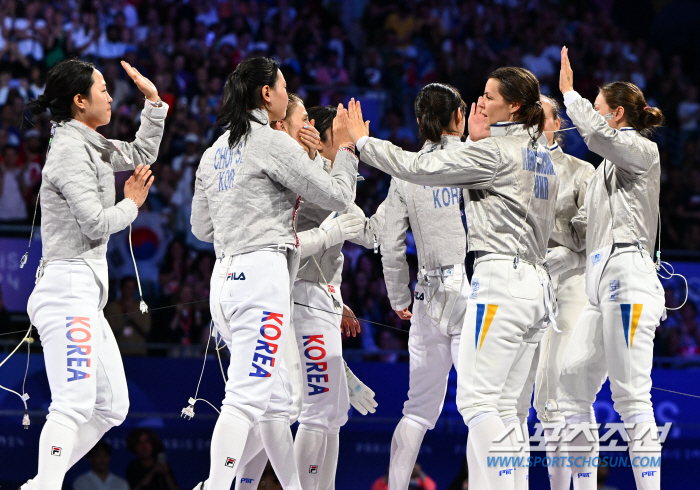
pixel 614 336
pixel 512 189
pixel 567 269
pixel 435 217
pixel 320 417
pixel 259 186
pixel 86 376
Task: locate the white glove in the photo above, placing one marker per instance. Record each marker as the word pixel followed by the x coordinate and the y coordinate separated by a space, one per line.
pixel 344 227
pixel 361 397
pixel 561 259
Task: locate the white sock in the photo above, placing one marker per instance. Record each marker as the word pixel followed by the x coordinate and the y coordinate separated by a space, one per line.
pixel 55 447
pixel 520 438
pixel 227 443
pixel 87 436
pixel 253 461
pixel 330 461
pixel 476 474
pixel 482 434
pixel 559 472
pixel 279 445
pixel 648 447
pixel 405 445
pixel 584 452
pixel 309 451
pixel 250 473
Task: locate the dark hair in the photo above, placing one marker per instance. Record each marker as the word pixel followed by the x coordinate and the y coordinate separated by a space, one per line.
pixel 323 120
pixel 133 438
pixel 101 445
pixel 640 116
pixel 520 85
pixel 63 82
pixel 292 101
pixel 556 115
pixel 435 107
pixel 242 95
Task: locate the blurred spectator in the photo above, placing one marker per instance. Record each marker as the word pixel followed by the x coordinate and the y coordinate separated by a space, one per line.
pixel 149 471
pixel 688 114
pixel 461 480
pixel 131 327
pixel 12 204
pixel 99 477
pixel 603 473
pixel 419 481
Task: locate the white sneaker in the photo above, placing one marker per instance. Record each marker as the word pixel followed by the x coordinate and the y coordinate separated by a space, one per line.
pixel 200 486
pixel 28 486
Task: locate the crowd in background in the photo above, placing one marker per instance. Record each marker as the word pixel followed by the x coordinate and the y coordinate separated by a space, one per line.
pixel 383 52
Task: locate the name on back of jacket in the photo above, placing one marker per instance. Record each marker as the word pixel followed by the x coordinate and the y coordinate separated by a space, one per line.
pixel 225 161
pixel 444 197
pixel 541 164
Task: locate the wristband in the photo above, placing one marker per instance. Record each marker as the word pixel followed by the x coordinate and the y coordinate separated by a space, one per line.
pixel 154 104
pixel 137 206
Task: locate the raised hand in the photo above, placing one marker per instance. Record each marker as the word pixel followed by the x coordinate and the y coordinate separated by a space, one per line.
pixel 144 84
pixel 478 124
pixel 357 127
pixel 566 74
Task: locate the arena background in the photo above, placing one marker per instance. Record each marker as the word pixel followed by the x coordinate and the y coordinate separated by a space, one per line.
pixel 382 53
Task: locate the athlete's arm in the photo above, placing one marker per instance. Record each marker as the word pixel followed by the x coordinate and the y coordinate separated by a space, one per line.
pixel 200 219
pixel 393 242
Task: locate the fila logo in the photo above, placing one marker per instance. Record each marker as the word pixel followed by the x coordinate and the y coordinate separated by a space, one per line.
pixel 313 469
pixel 584 475
pixel 247 480
pixel 231 276
pixel 55 451
pixel 648 473
pixel 506 472
pixel 230 462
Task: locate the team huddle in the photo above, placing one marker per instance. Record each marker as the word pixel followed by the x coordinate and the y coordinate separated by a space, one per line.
pixel 563 293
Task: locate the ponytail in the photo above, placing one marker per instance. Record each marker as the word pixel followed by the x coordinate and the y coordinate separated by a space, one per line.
pixel 435 108
pixel 242 94
pixel 637 113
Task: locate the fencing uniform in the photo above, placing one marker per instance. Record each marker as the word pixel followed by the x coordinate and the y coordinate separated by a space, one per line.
pixel 435 217
pixel 615 332
pixel 86 376
pixel 569 288
pixel 317 326
pixel 512 187
pixel 262 183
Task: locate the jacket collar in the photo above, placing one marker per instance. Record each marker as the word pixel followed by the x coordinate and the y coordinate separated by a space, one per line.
pixel 88 134
pixel 450 138
pixel 501 129
pixel 260 115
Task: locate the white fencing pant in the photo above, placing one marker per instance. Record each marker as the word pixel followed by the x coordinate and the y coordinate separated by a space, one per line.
pixel 615 339
pixel 325 388
pixel 432 352
pixel 543 378
pixel 83 363
pixel 504 305
pixel 254 305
